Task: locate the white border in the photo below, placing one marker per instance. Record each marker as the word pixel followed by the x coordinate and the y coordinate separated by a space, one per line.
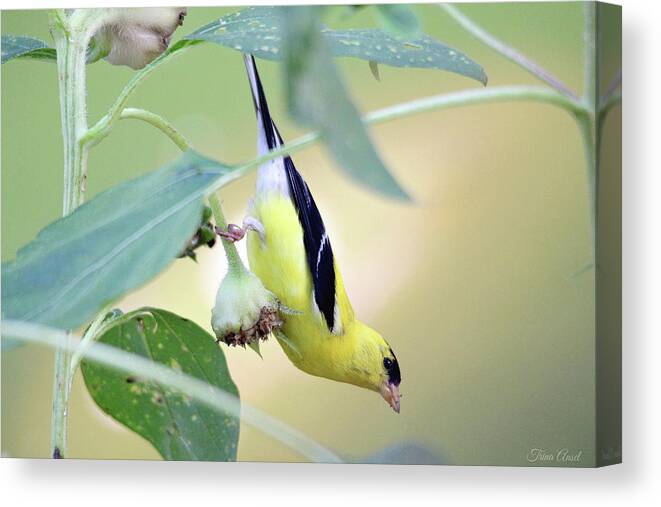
pixel 43 482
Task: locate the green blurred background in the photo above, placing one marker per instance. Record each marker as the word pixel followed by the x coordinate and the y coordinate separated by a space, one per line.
pixel 473 284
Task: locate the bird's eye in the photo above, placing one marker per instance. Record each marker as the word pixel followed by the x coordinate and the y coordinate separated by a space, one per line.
pixel 387 363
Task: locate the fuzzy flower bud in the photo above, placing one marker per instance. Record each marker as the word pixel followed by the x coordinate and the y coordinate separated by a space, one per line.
pixel 135 37
pixel 245 312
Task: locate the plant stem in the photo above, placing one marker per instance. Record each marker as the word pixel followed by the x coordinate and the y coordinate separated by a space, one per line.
pixel 586 128
pixel 234 261
pixel 103 127
pixel 612 87
pixel 446 101
pixel 476 96
pixel 590 54
pixel 587 122
pixel 96 328
pixel 211 396
pixel 160 123
pixel 608 103
pixel 507 51
pixel 71 76
pixel 411 108
pixel 71 53
pixel 71 33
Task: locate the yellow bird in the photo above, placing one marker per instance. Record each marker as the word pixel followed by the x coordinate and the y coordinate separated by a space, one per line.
pixel 289 249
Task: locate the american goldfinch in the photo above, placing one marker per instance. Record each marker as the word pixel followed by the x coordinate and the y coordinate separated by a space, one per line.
pixel 289 249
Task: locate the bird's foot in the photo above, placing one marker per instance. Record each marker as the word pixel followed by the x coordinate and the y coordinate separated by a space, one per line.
pixel 235 233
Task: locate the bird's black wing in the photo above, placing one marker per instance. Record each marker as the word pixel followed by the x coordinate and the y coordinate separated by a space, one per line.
pixel 317 245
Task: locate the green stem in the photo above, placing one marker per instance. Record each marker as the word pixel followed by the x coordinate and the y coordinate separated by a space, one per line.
pixel 586 128
pixel 96 328
pixel 211 396
pixel 473 97
pixel 427 104
pixel 71 32
pixel 588 122
pixel 613 86
pixel 234 261
pixel 584 111
pixel 590 54
pixel 607 104
pixel 61 382
pixel 71 44
pixel 507 51
pixel 103 127
pixel 71 76
pixel 160 123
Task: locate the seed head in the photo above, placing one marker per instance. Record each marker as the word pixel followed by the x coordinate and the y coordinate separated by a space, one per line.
pixel 245 311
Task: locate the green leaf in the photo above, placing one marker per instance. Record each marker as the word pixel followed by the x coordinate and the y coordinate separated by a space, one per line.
pixel 20 46
pixel 115 242
pixel 317 99
pixel 398 20
pixel 179 427
pixel 259 31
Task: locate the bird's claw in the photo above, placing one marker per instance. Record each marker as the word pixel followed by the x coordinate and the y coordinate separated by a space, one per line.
pixel 235 233
pixel 232 234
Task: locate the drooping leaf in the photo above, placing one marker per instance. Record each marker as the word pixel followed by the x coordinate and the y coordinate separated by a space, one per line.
pixel 259 31
pixel 20 46
pixel 317 98
pixel 398 20
pixel 117 241
pixel 180 428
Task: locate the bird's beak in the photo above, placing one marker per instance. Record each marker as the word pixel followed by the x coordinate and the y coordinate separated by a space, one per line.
pixel 390 393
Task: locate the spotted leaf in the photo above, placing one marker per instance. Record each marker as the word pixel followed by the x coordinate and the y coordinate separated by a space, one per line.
pixel 179 427
pixel 259 31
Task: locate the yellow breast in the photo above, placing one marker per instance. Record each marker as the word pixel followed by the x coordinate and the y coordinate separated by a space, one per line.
pixel 281 263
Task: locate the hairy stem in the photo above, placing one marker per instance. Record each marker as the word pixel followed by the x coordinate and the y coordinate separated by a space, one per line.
pixel 234 262
pixel 211 396
pixel 72 31
pixel 71 45
pixel 71 77
pixel 507 51
pixel 160 123
pixel 103 127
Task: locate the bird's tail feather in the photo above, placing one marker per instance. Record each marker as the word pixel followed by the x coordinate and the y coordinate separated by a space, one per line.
pixel 269 138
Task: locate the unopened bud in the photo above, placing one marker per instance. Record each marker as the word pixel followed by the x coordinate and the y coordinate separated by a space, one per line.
pixel 135 37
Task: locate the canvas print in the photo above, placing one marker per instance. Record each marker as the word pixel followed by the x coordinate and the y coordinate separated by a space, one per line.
pixel 344 234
